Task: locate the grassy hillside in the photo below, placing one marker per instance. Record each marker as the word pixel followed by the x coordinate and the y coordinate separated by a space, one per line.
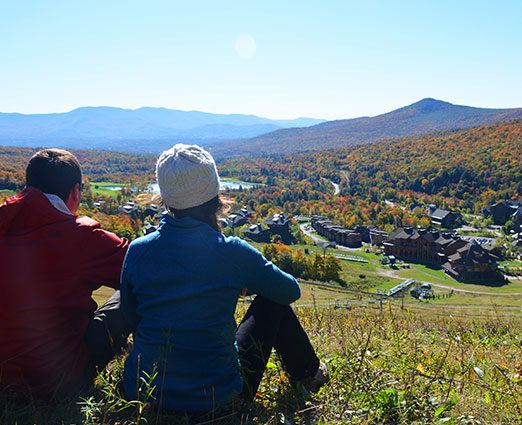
pixel 453 360
pixel 401 367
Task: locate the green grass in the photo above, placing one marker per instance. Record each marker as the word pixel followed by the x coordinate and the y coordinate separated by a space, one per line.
pixel 512 263
pixel 99 188
pixel 235 180
pixel 478 233
pixel 414 365
pixel 486 302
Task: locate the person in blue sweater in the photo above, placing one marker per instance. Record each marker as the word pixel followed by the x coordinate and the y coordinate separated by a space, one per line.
pixel 180 286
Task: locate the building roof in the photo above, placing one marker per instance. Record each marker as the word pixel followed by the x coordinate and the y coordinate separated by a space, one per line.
pixel 277 219
pixel 245 212
pixel 152 207
pixel 255 229
pixel 234 220
pixel 402 233
pixel 439 214
pixel 472 252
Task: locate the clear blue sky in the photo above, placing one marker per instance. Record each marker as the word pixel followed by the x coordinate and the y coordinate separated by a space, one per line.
pixel 278 59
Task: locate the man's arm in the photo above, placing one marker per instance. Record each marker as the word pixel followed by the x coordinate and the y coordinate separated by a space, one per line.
pixel 102 255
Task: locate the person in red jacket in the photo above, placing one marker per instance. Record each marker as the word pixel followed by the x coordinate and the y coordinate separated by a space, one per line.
pixel 52 338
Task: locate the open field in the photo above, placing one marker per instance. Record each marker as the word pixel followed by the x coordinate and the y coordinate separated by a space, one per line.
pixel 100 188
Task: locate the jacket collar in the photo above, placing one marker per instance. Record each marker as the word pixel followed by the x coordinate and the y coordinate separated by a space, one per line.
pixel 185 222
pixel 57 203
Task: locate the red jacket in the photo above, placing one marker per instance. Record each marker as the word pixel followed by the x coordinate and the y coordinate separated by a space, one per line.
pixel 50 262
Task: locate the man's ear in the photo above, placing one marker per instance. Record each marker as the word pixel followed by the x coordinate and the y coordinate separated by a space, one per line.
pixel 73 201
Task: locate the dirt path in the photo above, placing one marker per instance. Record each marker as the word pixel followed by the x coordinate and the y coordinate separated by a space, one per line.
pixel 466 291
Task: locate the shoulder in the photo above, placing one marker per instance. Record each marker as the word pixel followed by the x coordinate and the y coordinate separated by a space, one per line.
pixel 87 222
pixel 143 241
pixel 140 245
pixel 236 244
pixel 91 231
pixel 236 249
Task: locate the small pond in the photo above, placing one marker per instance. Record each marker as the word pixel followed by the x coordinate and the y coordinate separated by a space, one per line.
pixel 225 184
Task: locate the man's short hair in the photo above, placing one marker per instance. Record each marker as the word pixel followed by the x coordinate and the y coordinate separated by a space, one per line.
pixel 53 171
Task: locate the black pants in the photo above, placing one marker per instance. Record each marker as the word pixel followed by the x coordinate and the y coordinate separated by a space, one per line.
pixel 106 335
pixel 268 325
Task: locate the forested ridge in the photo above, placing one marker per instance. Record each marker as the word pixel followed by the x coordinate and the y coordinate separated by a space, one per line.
pixel 466 169
pixel 425 116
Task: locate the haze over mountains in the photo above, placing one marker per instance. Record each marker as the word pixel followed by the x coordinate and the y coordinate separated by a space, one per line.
pixel 152 130
pixel 426 116
pixel 119 129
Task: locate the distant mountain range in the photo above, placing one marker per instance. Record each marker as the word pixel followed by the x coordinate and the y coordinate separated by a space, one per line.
pixel 151 130
pixel 425 116
pixel 141 130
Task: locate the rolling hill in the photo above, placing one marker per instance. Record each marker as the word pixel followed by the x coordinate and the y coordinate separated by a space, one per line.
pixel 425 116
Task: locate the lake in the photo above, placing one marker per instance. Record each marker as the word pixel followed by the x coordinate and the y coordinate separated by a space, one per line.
pixel 225 184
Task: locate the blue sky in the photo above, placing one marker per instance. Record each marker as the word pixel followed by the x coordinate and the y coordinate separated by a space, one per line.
pixel 278 59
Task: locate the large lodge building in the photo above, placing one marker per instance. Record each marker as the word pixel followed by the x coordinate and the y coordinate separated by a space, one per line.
pixel 352 238
pixel 465 261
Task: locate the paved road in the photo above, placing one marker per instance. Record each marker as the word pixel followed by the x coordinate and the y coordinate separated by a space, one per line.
pixel 309 233
pixel 336 188
pixel 335 185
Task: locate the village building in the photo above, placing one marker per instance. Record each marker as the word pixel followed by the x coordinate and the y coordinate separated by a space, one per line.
pixel 151 210
pixel 352 238
pixel 504 211
pixel 444 218
pixel 257 232
pixel 129 208
pixel 372 235
pixel 149 228
pixel 465 261
pixel 239 218
pixel 279 225
pixel 472 263
pixel 516 218
pixel 236 220
pixel 517 240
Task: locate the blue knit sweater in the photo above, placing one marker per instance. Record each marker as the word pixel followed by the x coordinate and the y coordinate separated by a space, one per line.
pixel 180 286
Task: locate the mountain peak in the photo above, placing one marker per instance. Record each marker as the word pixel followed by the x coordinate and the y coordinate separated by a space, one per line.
pixel 429 105
pixel 425 116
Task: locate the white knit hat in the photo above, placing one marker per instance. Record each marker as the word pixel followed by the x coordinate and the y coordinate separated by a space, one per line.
pixel 187 176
